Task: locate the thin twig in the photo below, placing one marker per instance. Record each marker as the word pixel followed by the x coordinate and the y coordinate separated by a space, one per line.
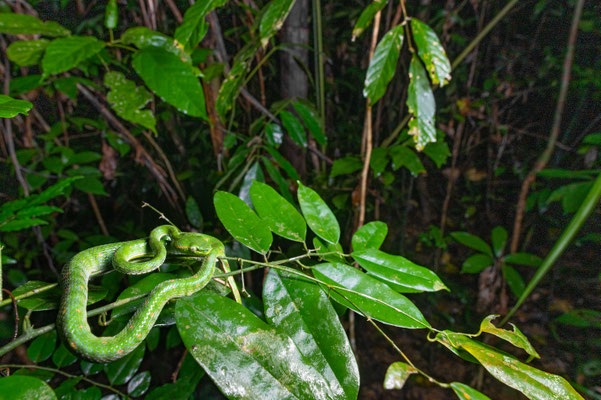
pixel 96 210
pixel 14 301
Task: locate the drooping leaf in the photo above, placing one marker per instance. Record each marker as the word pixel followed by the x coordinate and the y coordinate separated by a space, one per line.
pixel 294 128
pixel 234 80
pixel 242 223
pixel 122 370
pixel 514 280
pixel 26 52
pixel 66 53
pixel 464 392
pixel 37 211
pixel 171 79
pixel 368 296
pixel 499 239
pixel 403 156
pixel 193 213
pixel 399 273
pixel 476 263
pixel 280 216
pixel 311 121
pixel 431 52
pixel 472 241
pixel 63 357
pixel 10 107
pixel 397 374
pixel 420 101
pixel 273 18
pixel 254 173
pixel 24 24
pixel 370 236
pixel 382 66
pixel 438 152
pixel 144 38
pixel 526 259
pixel 111 14
pixel 318 215
pixel 193 28
pixel 127 100
pixel 42 347
pixel 379 160
pixel 303 311
pixel 20 224
pixel 139 384
pixel 282 162
pixel 244 356
pixel 345 165
pixel 91 185
pixel 367 16
pixel 515 337
pixel 26 387
pixel 278 178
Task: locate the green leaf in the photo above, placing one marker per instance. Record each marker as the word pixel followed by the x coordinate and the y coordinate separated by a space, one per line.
pixel 499 240
pixel 345 166
pixel 311 121
pixel 234 80
pixel 515 337
pixel 187 381
pixel 319 216
pixel 325 247
pixel 581 318
pixel 193 213
pixel 24 84
pixel 274 134
pixel 399 273
pixel 527 259
pixel 294 128
pixel 379 160
pixel 51 192
pixel 20 224
pixel 370 236
pixel 111 14
pixel 63 357
pixel 368 296
pixel 42 347
pixel 431 52
pixel 420 101
pixel 245 357
pixel 382 66
pixel 438 152
pixel 280 216
pixel 23 24
pixel 67 53
pixel 367 15
pixel 397 374
pixel 476 264
pixel 254 173
pixel 300 309
pixel 277 177
pixel 139 384
pixel 242 223
pixel 464 392
pixel 144 38
pixel 193 28
pixel 571 196
pixel 533 383
pixel 282 162
pixel 403 156
pixel 26 52
pixel 127 100
pixel 10 107
pixel 514 280
pixel 49 299
pixel 26 387
pixel 272 20
pixel 171 79
pixel 91 185
pixel 121 371
pixel 472 241
pixel 37 211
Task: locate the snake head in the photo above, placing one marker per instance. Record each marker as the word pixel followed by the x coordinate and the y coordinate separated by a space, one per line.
pixel 189 243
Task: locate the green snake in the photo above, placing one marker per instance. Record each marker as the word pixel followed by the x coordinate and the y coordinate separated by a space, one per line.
pixel 72 319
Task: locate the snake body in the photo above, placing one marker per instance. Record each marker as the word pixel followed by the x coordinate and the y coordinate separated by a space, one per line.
pixel 72 320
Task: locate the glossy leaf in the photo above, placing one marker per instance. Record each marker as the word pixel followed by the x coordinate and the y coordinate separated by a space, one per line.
pixel 63 357
pixel 472 241
pixel 25 387
pixel 382 66
pixel 122 370
pixel 370 236
pixel 276 176
pixel 303 311
pixel 464 392
pixel 499 240
pixel 379 160
pixel 311 121
pixel 514 280
pixel 476 263
pixel 273 18
pixel 171 79
pixel 128 100
pixel 254 173
pixel 144 38
pixel 438 152
pixel 139 384
pixel 367 16
pixel 368 296
pixel 318 215
pixel 325 247
pixel 527 259
pixel 10 107
pixel 24 24
pixel 403 156
pixel 242 223
pixel 111 14
pixel 274 134
pixel 193 28
pixel 515 337
pixel 244 356
pixel 533 383
pixel 345 166
pixel 42 347
pixel 294 128
pixel 26 52
pixel 431 52
pixel 399 273
pixel 280 216
pixel 66 53
pixel 397 374
pixel 91 185
pixel 420 101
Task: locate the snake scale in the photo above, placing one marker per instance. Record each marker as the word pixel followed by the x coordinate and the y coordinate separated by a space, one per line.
pixel 72 319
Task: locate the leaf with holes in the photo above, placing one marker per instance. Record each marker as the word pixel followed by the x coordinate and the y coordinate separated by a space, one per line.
pixel 515 337
pixel 431 52
pixel 273 18
pixel 420 101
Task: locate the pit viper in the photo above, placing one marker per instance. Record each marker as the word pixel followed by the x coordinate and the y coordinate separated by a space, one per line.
pixel 72 321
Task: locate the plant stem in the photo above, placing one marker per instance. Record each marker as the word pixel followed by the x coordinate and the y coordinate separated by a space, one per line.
pixel 28 294
pixel 318 53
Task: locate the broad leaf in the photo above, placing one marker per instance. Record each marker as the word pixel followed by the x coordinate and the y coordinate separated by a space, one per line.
pixel 277 177
pixel 279 215
pixel 399 273
pixel 368 296
pixel 515 337
pixel 382 66
pixel 26 387
pixel 171 79
pixel 438 151
pixel 499 240
pixel 193 213
pixel 37 211
pixel 144 38
pixel 194 27
pixel 370 236
pixel 319 216
pixel 431 52
pixel 127 100
pixel 526 259
pixel 472 241
pixel 303 311
pixel 26 52
pixel 20 224
pixel 311 121
pixel 294 128
pixel 23 24
pixel 282 162
pixel 111 14
pixel 254 173
pixel 403 156
pixel 10 107
pixel 476 263
pixel 273 18
pixel 139 384
pixel 187 381
pixel 66 53
pixel 42 347
pixel 122 370
pixel 244 356
pixel 420 101
pixel 345 166
pixel 464 392
pixel 63 357
pixel 367 16
pixel 242 223
pixel 514 280
pixel 397 374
